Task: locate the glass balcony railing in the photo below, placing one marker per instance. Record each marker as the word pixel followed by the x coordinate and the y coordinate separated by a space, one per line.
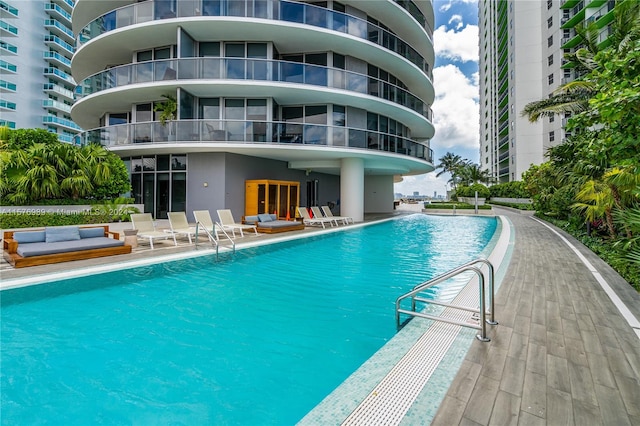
pixel 281 10
pixel 254 70
pixel 266 132
pixel 63 122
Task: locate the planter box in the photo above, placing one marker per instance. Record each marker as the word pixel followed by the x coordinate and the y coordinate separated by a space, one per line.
pixel 472 200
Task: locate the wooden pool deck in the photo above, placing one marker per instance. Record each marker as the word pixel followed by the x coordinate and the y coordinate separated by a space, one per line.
pixel 563 354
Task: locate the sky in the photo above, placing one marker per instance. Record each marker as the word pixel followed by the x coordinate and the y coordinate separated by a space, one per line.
pixel 455 80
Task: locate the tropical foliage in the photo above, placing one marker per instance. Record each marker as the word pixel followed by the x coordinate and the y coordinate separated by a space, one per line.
pixel 594 176
pixel 462 171
pixel 35 166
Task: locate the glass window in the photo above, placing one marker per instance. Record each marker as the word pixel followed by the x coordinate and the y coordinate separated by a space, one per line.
pixel 162 162
pixel 316 114
pixel 338 61
pixel 178 162
pixel 339 115
pixel 211 7
pixel 121 118
pixel 316 59
pixel 292 114
pixel 257 50
pixel 234 50
pixel 146 55
pixel 209 48
pixel 372 121
pixel 209 108
pixel 163 53
pixel 234 109
pixel 256 109
pixel 143 113
pixel 148 164
pixel 178 192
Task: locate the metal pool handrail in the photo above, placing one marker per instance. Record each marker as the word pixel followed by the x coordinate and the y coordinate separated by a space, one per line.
pixel 212 238
pixel 456 271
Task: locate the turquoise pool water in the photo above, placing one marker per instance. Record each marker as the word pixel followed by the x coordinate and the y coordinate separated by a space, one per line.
pixel 259 337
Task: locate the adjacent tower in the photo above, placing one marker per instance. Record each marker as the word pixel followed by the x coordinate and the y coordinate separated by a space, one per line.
pixel 36 87
pixel 522 47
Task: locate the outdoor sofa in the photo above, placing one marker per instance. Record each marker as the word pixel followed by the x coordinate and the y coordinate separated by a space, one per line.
pixel 55 244
pixel 269 223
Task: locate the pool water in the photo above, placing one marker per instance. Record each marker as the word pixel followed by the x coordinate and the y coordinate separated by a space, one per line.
pixel 259 337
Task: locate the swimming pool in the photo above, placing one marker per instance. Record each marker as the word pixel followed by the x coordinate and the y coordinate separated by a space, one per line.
pixel 257 338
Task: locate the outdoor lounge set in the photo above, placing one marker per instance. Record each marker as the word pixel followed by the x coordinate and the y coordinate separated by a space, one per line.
pixel 55 244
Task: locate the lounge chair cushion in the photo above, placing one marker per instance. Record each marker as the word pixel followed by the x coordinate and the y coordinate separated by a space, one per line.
pixel 24 237
pixel 91 232
pixel 61 233
pixel 276 224
pixel 37 249
pixel 264 217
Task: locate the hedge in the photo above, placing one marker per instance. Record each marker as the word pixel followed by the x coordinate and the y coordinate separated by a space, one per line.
pixel 36 219
pixel 450 206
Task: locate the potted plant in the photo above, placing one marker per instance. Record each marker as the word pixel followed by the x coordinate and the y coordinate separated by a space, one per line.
pixel 168 111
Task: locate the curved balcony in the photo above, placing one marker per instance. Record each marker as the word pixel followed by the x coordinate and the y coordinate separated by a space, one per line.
pixel 252 132
pixel 253 70
pixel 279 10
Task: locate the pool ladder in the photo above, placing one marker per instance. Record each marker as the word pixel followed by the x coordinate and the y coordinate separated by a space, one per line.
pixel 214 239
pixel 470 266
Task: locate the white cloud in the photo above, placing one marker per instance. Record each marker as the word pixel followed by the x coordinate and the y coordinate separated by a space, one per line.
pixel 457 20
pixel 445 6
pixel 457 45
pixel 455 109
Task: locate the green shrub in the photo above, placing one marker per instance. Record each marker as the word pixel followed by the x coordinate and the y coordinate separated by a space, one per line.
pixel 470 191
pixel 40 219
pixel 450 206
pixel 514 189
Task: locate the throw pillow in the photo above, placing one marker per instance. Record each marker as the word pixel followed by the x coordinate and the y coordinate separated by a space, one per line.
pixel 61 233
pixel 264 217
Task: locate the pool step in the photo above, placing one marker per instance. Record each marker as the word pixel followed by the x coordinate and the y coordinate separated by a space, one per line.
pixel 392 398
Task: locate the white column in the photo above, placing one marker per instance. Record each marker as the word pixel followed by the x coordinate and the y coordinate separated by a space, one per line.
pixel 352 188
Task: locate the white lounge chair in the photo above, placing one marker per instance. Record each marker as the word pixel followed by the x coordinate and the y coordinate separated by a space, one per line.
pixel 310 221
pixel 229 224
pixel 318 213
pixel 180 226
pixel 203 217
pixel 328 213
pixel 143 222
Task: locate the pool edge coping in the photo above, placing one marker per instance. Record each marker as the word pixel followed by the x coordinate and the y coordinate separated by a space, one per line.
pixel 336 407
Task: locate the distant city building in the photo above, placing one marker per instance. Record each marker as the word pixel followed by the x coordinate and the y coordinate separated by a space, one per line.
pixel 522 47
pixel 36 47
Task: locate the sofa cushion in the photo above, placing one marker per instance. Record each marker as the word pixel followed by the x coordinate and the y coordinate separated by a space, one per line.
pixel 264 217
pixel 61 233
pixel 30 236
pixel 251 219
pixel 274 216
pixel 38 249
pixel 91 232
pixel 278 224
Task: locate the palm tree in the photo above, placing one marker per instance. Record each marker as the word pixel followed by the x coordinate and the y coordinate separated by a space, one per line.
pixel 451 163
pixel 596 201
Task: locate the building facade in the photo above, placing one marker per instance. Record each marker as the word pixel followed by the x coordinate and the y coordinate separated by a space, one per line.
pixel 36 47
pixel 200 96
pixel 522 47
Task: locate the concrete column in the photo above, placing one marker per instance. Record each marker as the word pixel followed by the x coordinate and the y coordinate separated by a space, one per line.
pixel 352 188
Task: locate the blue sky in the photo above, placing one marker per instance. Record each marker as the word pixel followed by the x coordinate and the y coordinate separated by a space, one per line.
pixel 455 75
